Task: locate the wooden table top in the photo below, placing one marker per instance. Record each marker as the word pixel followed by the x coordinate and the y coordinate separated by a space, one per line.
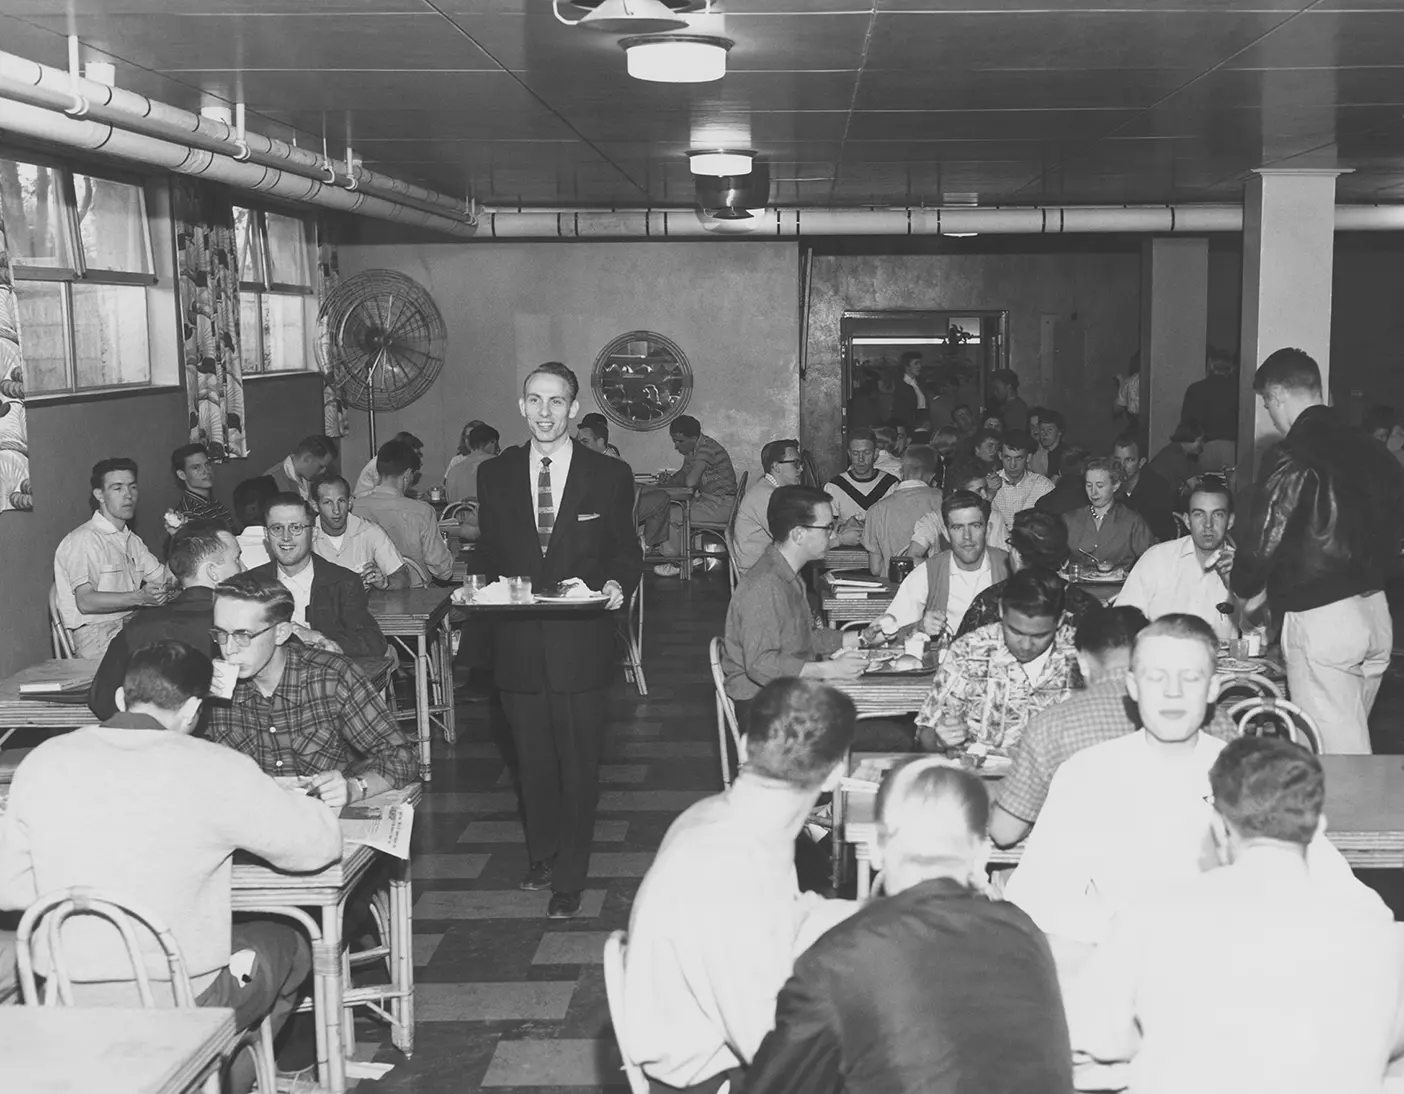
pixel 409 611
pixel 18 711
pixel 848 608
pixel 846 558
pixel 887 694
pixel 116 1050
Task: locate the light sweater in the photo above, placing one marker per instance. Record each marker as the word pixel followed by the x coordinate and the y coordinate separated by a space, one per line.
pixel 154 816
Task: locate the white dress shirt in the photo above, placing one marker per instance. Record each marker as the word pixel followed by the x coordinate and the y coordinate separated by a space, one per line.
pixel 909 604
pixel 921 395
pixel 560 470
pixel 300 586
pixel 1169 578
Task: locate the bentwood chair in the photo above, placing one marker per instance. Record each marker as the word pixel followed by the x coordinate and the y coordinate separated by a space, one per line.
pixel 57 907
pixel 614 948
pixel 728 730
pixel 718 531
pixel 1247 685
pixel 1254 716
pixel 633 621
pixel 60 640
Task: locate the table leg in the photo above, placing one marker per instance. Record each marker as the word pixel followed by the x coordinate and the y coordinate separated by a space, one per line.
pixel 864 881
pixel 687 539
pixel 421 704
pixel 402 958
pixel 445 681
pixel 330 1014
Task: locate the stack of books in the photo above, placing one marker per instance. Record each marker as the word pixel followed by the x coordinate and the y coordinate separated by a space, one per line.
pixel 854 584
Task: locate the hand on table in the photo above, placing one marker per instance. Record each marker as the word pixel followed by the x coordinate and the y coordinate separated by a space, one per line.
pixel 845 665
pixel 615 593
pixel 331 787
pixel 948 732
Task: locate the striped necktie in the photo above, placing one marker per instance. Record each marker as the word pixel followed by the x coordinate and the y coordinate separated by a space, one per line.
pixel 545 507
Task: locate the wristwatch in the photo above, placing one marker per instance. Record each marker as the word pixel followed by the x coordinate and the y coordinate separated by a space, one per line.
pixel 362 786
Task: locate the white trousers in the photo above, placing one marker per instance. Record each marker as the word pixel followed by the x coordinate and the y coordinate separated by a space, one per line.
pixel 1336 657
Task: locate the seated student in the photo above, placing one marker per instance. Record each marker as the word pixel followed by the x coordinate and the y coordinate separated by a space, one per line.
pixel 190 463
pixel 861 485
pixel 707 471
pixel 1070 490
pixel 312 456
pixel 251 498
pixel 770 632
pixel 330 608
pixel 930 534
pixel 1251 978
pixel 1190 574
pixel 593 433
pixel 938 592
pixel 887 460
pixel 298 710
pixel 719 920
pixel 1038 539
pixel 983 450
pixel 1048 460
pixel 1126 819
pixel 464 448
pixel 102 570
pixel 1143 491
pixel 202 555
pixel 931 988
pixel 1089 717
pixel 1018 487
pixel 891 521
pixel 461 479
pixel 412 525
pixel 782 466
pixel 1104 530
pixel 351 542
pixel 369 478
pixel 141 808
pixel 1178 461
pixel 963 422
pixel 996 678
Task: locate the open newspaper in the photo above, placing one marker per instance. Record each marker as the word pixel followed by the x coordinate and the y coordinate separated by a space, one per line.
pixel 386 827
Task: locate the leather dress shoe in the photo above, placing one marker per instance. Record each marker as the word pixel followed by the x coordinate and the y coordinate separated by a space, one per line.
pixel 538 875
pixel 564 905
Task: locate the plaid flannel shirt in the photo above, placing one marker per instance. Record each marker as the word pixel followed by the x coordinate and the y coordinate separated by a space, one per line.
pixel 324 715
pixel 981 683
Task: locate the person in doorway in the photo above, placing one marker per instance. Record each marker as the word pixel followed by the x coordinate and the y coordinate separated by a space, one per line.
pixel 909 397
pixel 191 466
pixel 1324 532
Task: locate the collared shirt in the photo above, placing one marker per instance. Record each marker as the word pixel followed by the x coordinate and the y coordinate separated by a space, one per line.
pixel 981 683
pixel 713 933
pixel 911 382
pixel 984 609
pixel 769 629
pixel 909 605
pixel 253 546
pixel 286 476
pixel 718 476
pixel 889 464
pixel 461 478
pixel 1121 824
pixel 324 715
pixel 931 529
pixel 1015 497
pixel 559 470
pixel 412 526
pixel 108 558
pixel 363 542
pixel 853 497
pixel 1169 578
pixel 196 507
pixel 300 585
pixel 751 533
pixel 1103 712
pixel 1120 537
pixel 367 480
pixel 891 521
pixel 1250 977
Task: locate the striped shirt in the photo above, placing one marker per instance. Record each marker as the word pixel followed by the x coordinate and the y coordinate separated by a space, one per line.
pixel 718 476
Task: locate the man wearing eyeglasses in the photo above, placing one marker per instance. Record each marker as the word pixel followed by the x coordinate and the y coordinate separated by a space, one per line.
pixel 299 711
pixel 329 601
pixel 751 536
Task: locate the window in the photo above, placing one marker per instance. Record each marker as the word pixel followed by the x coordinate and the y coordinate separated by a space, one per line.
pixel 80 247
pixel 275 285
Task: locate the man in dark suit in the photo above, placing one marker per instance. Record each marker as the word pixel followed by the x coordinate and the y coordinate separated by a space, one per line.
pixel 329 600
pixel 552 510
pixel 908 396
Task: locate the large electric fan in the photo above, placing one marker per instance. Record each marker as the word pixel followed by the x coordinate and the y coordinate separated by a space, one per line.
pixel 380 340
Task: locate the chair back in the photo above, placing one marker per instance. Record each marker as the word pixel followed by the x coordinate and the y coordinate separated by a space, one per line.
pixel 614 993
pixel 56 907
pixel 811 471
pixel 1252 716
pixel 60 641
pixel 1247 685
pixel 728 730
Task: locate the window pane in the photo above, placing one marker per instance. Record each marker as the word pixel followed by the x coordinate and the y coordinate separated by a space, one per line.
pixel 283 325
pixel 111 224
pixel 109 335
pixel 288 260
pixel 250 336
pixel 247 246
pixel 36 225
pixel 42 331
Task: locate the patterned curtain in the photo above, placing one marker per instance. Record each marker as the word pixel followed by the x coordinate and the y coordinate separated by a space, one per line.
pixel 209 308
pixel 335 422
pixel 14 431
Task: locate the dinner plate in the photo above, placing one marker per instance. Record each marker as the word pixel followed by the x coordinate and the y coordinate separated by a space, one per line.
pixel 599 598
pixel 1241 664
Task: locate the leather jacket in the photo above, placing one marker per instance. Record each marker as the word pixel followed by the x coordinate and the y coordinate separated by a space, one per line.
pixel 1327 519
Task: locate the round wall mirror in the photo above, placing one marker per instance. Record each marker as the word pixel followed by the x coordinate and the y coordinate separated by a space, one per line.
pixel 642 380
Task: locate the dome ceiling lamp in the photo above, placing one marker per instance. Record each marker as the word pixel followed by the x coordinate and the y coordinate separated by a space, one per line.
pixel 629 16
pixel 720 162
pixel 676 58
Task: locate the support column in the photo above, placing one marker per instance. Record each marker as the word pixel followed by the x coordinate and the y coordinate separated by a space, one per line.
pixel 1289 229
pixel 1174 330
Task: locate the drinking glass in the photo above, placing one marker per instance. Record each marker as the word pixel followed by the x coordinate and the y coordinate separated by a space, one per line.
pixel 520 589
pixel 473 584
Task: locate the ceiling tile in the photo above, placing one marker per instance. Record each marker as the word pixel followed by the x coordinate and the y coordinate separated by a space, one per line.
pixel 1327 39
pixel 1031 125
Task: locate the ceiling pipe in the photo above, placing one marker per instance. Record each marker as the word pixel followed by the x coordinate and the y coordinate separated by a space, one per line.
pixel 39 85
pixel 92 136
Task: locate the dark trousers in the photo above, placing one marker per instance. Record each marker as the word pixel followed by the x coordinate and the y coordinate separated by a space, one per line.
pixel 559 737
pixel 282 962
pixel 707 1086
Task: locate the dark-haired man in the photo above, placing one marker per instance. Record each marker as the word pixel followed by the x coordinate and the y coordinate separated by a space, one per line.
pixel 708 473
pixel 908 396
pixel 369 478
pixel 938 592
pixel 593 432
pixel 997 677
pixel 1048 460
pixel 1069 492
pixel 300 711
pixel 1324 534
pixel 351 542
pixel 461 481
pixel 1019 487
pixel 856 490
pixel 1178 461
pixel 138 806
pixel 888 529
pixel 718 921
pixel 1143 491
pixel 190 463
pixel 102 570
pixel 1013 411
pixel 1253 977
pixel 932 989
pixel 1213 403
pixel 202 555
pixel 312 456
pixel 930 533
pixel 780 460
pixel 251 500
pixel 411 524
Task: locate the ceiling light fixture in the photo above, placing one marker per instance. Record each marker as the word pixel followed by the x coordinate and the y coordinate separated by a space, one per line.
pixel 627 16
pixel 720 162
pixel 677 58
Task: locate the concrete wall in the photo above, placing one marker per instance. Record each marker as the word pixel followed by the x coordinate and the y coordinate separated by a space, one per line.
pixel 66 439
pixel 731 307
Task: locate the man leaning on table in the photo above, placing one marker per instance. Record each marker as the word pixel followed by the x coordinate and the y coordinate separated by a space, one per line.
pixel 719 918
pixel 780 460
pixel 140 808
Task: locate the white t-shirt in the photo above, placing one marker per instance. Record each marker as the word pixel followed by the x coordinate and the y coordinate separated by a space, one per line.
pixel 300 586
pixel 909 605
